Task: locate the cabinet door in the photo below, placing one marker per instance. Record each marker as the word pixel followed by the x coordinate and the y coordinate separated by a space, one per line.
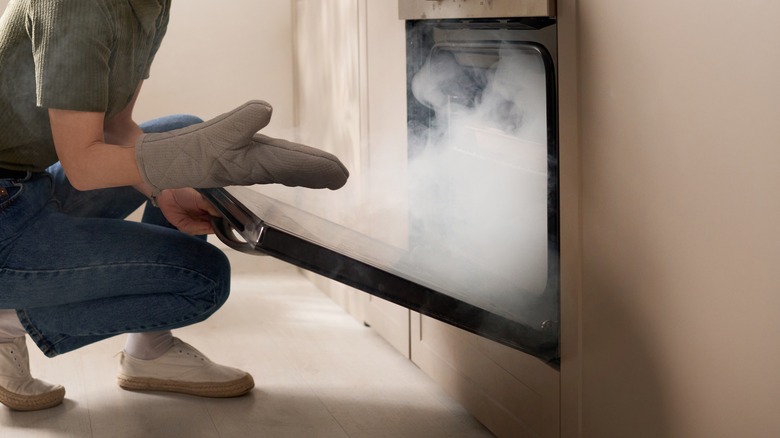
pixel 385 34
pixel 329 111
pixel 512 393
pixel 391 321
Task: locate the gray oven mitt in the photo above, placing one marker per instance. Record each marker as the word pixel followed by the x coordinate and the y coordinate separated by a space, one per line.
pixel 226 151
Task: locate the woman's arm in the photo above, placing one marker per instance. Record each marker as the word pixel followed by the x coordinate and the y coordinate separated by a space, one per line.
pixel 121 129
pixel 98 153
pixel 87 159
pixel 95 152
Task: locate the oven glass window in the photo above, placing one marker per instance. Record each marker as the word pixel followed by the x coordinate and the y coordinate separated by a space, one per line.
pixel 479 177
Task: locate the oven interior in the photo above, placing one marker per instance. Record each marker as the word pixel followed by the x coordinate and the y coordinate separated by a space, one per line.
pixel 483 163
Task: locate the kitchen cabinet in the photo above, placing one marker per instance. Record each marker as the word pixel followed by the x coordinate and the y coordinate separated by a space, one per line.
pixel 360 87
pixel 669 229
pixel 511 393
pixel 670 294
pixel 336 78
pixel 328 113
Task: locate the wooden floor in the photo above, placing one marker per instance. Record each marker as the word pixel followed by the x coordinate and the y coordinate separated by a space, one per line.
pixel 318 373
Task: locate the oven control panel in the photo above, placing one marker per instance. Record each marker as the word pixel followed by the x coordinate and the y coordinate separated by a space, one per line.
pixel 453 9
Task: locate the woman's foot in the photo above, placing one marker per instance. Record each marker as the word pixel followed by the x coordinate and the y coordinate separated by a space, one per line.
pixel 185 370
pixel 18 389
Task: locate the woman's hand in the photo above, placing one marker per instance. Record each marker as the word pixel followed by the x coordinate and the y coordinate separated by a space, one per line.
pixel 187 210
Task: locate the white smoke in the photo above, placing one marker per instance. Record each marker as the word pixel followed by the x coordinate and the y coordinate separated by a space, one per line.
pixel 478 189
pixel 469 207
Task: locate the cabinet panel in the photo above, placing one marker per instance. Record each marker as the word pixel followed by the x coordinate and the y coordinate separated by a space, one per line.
pixel 391 321
pixel 513 394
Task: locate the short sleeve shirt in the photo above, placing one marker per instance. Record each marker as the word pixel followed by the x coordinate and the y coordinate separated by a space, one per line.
pixel 83 55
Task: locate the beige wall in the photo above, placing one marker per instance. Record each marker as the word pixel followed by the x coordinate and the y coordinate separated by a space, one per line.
pixel 680 201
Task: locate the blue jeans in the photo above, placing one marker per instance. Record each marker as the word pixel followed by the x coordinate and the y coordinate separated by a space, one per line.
pixel 77 273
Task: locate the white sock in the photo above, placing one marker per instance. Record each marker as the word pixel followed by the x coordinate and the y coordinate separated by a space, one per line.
pixel 149 345
pixel 10 327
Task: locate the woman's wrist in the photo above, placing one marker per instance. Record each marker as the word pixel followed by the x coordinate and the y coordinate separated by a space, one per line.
pixel 152 193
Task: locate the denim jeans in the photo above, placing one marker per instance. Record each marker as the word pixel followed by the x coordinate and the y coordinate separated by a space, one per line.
pixel 77 273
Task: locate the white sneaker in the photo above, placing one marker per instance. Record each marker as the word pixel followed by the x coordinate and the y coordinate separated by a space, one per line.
pixel 18 389
pixel 185 370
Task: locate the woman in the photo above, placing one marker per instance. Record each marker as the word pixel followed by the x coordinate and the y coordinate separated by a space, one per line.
pixel 73 163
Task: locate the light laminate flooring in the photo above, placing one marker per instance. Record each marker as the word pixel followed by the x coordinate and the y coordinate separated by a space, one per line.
pixel 318 373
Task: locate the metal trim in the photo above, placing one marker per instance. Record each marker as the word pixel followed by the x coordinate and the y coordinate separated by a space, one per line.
pixel 453 9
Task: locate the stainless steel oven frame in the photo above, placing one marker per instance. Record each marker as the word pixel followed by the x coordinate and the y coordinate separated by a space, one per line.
pixel 447 9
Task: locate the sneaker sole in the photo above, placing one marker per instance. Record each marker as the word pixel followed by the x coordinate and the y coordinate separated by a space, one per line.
pixel 233 388
pixel 19 402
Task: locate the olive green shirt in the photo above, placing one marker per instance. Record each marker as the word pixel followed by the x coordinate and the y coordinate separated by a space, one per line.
pixel 83 55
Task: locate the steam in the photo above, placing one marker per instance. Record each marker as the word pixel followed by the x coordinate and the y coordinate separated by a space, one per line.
pixel 478 185
pixel 468 207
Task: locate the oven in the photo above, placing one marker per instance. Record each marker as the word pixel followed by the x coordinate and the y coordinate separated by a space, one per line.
pixel 481 232
pixel 482 118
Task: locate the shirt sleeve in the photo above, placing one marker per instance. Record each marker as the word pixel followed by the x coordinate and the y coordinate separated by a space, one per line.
pixel 71 43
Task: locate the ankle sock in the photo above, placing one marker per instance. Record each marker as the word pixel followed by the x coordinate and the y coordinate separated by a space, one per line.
pixel 149 345
pixel 10 327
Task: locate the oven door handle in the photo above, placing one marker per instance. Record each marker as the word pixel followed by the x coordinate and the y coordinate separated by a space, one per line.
pixel 226 233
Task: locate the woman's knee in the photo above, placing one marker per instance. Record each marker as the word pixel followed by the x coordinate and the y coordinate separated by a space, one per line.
pixel 169 123
pixel 218 271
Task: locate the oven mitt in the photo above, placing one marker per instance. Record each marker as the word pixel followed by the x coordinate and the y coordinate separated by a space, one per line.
pixel 226 151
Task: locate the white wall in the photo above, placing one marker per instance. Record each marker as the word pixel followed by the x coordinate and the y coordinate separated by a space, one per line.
pixel 218 55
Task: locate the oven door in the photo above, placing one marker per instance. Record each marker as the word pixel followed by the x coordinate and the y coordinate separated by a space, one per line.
pixel 254 223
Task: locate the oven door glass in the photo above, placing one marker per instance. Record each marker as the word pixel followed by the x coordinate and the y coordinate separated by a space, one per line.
pixel 478 246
